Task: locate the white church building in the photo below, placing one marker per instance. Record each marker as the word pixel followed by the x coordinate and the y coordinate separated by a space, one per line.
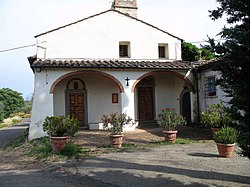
pixel 114 62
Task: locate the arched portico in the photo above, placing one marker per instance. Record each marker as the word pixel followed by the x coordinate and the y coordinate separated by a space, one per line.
pixel 189 83
pixel 157 90
pixel 120 86
pixel 86 95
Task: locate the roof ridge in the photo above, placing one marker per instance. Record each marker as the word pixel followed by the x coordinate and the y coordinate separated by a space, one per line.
pixel 75 22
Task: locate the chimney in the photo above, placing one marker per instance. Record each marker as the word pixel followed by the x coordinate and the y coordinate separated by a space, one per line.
pixel 126 6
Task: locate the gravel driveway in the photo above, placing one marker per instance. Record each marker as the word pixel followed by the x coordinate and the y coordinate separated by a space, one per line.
pixel 196 164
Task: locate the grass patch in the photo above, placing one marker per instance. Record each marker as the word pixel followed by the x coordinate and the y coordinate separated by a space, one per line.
pixel 41 148
pixel 178 141
pixel 127 146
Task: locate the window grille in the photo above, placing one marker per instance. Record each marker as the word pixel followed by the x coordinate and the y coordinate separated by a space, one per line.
pixel 163 51
pixel 210 87
pixel 123 50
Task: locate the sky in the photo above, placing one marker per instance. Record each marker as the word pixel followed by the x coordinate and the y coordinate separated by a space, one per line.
pixel 21 20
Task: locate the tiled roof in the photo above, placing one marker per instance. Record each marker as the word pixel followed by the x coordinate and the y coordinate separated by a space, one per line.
pixel 109 64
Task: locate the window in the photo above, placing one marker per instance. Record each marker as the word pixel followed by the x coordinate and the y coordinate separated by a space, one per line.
pixel 124 50
pixel 163 51
pixel 210 87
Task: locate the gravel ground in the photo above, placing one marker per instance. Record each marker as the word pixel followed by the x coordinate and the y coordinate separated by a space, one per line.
pixel 196 164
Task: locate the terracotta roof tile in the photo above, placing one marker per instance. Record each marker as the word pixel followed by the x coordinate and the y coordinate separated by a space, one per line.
pixel 110 64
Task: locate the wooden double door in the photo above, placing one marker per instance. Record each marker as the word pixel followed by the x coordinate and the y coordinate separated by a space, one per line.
pixel 146 103
pixel 76 107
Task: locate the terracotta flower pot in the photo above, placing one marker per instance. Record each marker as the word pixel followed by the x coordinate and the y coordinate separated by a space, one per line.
pixel 58 143
pixel 170 136
pixel 116 140
pixel 225 150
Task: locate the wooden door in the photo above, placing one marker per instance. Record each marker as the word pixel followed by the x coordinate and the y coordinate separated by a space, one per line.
pixel 186 107
pixel 77 107
pixel 145 102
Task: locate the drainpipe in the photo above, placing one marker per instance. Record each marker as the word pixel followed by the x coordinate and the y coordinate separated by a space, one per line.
pixel 196 77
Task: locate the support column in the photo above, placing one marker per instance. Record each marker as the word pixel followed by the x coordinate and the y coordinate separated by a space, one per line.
pixel 42 105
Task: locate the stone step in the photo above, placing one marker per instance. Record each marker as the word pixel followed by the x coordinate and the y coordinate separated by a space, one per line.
pixel 151 123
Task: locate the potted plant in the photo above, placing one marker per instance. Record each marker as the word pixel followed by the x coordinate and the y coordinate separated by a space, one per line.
pixel 215 117
pixel 115 123
pixel 59 128
pixel 169 120
pixel 225 140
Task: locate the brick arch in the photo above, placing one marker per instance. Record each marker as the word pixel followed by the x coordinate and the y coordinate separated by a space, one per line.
pixel 118 83
pixel 170 72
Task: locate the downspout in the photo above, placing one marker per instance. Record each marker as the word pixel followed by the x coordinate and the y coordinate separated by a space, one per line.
pixel 196 77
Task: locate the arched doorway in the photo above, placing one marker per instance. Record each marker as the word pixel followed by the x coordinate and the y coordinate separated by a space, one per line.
pixel 146 104
pixel 76 101
pixel 185 105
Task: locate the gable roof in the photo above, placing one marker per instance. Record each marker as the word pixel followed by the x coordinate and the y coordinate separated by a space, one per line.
pixel 111 10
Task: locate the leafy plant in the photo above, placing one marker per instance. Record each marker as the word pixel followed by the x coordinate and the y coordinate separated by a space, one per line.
pixel 11 101
pixel 235 63
pixel 216 115
pixel 227 135
pixel 60 126
pixel 71 149
pixel 169 119
pixel 115 122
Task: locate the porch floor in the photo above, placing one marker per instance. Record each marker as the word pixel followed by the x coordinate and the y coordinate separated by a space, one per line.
pixel 99 138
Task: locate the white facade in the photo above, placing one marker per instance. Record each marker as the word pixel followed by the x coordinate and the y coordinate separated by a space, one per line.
pixel 220 94
pixel 97 37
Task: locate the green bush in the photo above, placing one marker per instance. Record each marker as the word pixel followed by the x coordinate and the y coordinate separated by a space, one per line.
pixel 71 149
pixel 227 135
pixel 27 116
pixel 11 101
pixel 169 119
pixel 60 126
pixel 216 115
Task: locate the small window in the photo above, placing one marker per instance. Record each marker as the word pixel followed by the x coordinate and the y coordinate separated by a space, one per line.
pixel 210 87
pixel 163 51
pixel 124 50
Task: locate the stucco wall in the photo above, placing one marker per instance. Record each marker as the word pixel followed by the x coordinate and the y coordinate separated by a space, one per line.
pixel 99 96
pixel 220 95
pixel 99 37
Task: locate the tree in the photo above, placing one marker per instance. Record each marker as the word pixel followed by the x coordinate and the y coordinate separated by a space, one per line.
pixel 192 53
pixel 1 111
pixel 235 66
pixel 11 101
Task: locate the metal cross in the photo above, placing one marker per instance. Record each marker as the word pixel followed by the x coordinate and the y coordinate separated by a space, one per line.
pixel 127 79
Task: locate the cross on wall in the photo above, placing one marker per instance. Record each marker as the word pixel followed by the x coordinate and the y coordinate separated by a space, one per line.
pixel 127 79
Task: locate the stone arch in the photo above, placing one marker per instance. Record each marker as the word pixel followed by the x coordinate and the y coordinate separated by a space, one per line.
pixel 118 83
pixel 189 83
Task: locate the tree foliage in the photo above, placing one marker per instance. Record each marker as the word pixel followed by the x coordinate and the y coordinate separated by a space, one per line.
pixel 235 66
pixel 10 101
pixel 191 52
